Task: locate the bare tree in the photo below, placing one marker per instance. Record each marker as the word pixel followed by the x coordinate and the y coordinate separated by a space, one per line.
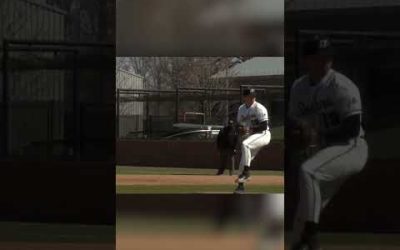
pixel 168 73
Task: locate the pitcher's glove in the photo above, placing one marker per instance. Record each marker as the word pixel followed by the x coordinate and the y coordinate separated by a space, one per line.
pixel 244 130
pixel 303 136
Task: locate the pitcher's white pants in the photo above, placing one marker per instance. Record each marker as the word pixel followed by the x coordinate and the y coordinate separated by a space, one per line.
pixel 322 175
pixel 251 146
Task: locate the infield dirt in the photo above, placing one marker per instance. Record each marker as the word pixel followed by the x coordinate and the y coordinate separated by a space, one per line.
pixel 193 180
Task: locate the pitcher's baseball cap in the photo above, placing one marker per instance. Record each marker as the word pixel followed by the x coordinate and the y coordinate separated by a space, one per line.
pixel 318 46
pixel 249 92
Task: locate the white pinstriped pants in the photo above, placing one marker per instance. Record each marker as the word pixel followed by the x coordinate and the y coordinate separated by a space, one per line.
pixel 251 146
pixel 322 175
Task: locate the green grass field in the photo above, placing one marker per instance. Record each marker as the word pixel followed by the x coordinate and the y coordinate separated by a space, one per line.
pixel 277 133
pixel 125 170
pixel 49 232
pixel 142 189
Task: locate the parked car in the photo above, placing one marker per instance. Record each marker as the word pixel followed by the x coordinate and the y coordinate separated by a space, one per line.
pixel 199 134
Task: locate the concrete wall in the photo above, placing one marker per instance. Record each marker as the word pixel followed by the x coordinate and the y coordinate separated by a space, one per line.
pixel 187 154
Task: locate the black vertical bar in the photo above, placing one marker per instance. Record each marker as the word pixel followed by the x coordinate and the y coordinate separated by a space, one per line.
pixel 52 107
pixel 5 99
pixel 49 127
pixel 76 108
pixel 118 114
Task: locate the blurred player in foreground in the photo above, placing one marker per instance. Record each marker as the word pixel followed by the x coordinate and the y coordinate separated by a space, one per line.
pixel 325 117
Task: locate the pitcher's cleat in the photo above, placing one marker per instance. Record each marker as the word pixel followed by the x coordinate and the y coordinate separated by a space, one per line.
pixel 239 189
pixel 243 177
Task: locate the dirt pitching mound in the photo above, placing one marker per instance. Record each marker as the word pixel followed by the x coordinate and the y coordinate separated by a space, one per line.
pixel 170 241
pixel 157 180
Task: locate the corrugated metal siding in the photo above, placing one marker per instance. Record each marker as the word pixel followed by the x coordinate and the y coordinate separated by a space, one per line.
pixel 32 20
pixel 127 80
pixel 23 19
pixel 36 96
pixel 131 114
pixel 37 85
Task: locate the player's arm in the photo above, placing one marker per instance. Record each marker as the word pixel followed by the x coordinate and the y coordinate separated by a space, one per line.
pixel 348 116
pixel 261 123
pixel 260 126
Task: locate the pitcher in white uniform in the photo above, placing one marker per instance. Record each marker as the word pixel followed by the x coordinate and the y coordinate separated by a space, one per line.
pixel 252 121
pixel 329 103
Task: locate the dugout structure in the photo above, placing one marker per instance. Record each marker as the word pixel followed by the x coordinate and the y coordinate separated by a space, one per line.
pixel 208 106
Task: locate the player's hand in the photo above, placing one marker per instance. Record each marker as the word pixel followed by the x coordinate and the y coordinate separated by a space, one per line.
pixel 303 135
pixel 244 130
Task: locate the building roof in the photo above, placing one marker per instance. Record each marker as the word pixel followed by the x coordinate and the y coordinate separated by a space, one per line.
pixel 130 73
pixel 257 66
pixel 337 4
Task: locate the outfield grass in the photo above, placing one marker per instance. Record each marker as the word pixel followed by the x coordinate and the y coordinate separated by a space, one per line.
pixel 49 232
pixel 146 189
pixel 131 170
pixel 277 133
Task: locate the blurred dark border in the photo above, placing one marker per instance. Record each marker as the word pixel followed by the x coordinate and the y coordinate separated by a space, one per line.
pixel 58 143
pixel 200 28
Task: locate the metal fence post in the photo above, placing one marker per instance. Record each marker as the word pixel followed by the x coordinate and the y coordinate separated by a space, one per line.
pixel 50 111
pixel 76 108
pixel 118 114
pixel 5 100
pixel 177 105
pixel 148 121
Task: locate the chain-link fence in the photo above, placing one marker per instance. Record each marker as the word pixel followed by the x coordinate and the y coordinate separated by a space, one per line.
pixel 153 113
pixel 54 100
